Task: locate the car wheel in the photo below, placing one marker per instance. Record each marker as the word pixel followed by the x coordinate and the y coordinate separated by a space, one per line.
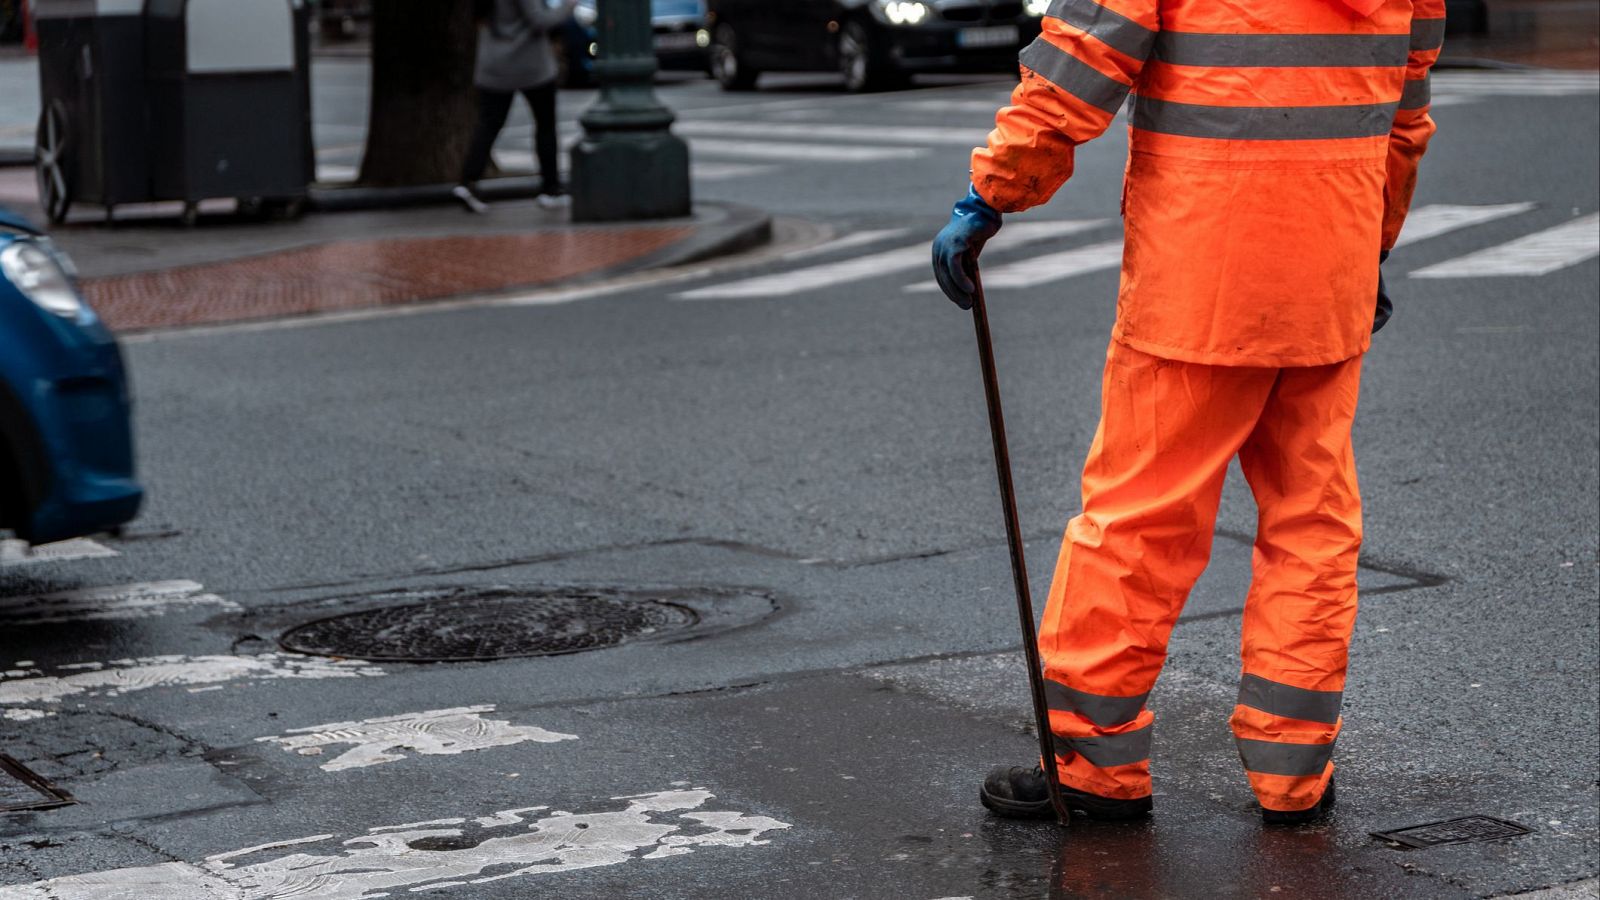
pixel 730 70
pixel 861 66
pixel 52 163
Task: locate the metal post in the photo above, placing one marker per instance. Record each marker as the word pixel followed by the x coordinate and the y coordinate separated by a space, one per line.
pixel 629 165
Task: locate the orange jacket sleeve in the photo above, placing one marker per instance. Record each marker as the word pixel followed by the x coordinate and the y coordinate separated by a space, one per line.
pixel 1074 79
pixel 1413 127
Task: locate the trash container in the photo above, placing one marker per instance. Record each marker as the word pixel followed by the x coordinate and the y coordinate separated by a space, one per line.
pixel 90 143
pixel 229 100
pixel 146 100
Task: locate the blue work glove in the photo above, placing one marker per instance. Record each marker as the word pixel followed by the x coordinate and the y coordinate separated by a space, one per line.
pixel 1385 306
pixel 956 249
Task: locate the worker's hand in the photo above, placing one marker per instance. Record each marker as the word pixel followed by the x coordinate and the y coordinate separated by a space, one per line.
pixel 956 249
pixel 1385 306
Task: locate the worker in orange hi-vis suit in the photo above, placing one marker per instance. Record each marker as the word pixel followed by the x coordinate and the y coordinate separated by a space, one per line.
pixel 1274 147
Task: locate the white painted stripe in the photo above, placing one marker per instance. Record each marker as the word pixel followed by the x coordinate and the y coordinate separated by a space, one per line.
pixel 1044 269
pixel 127 601
pixel 1432 221
pixel 799 152
pixel 1540 253
pixel 384 863
pixel 949 106
pixel 873 265
pixel 24 715
pixel 123 676
pixel 864 134
pixel 436 732
pixel 720 171
pixel 848 242
pixel 19 553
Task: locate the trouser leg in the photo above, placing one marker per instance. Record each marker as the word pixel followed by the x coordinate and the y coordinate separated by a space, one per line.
pixel 1302 602
pixel 546 137
pixel 1151 486
pixel 493 107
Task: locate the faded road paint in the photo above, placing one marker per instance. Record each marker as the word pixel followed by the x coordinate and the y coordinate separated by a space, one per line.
pixel 127 601
pixel 385 861
pixel 438 732
pixel 17 553
pixel 127 675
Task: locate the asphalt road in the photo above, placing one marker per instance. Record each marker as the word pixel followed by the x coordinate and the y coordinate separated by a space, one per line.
pixel 795 449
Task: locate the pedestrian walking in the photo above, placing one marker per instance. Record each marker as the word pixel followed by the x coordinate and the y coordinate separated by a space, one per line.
pixel 514 56
pixel 1274 147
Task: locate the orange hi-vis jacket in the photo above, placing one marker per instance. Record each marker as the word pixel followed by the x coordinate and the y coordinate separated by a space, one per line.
pixel 1273 153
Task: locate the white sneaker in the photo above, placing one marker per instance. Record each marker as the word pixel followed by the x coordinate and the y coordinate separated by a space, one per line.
pixel 555 201
pixel 469 199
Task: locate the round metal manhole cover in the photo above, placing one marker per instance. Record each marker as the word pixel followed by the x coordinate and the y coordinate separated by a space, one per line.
pixel 485 624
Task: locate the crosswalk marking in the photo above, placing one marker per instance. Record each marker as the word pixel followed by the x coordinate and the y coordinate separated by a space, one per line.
pixel 802 152
pixel 1044 269
pixel 124 676
pixel 1539 253
pixel 436 732
pixel 870 266
pixel 18 553
pixel 1440 218
pixel 433 856
pixel 849 241
pixel 868 134
pixel 126 601
pixel 721 171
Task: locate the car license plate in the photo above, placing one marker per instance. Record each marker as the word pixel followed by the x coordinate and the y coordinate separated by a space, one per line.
pixel 994 36
pixel 682 40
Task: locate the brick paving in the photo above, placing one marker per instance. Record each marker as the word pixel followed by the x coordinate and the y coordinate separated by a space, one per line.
pixel 359 274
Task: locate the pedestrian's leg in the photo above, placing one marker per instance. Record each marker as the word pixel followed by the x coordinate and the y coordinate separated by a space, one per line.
pixel 1151 486
pixel 546 137
pixel 1302 603
pixel 493 107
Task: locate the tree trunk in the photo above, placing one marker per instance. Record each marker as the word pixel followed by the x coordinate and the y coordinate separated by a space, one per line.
pixel 423 104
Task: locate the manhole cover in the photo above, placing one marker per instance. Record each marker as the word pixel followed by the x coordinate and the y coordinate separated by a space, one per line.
pixel 489 623
pixel 1465 830
pixel 22 788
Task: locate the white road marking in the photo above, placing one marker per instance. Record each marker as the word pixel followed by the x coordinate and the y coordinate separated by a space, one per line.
pixel 18 553
pixel 1515 84
pixel 127 601
pixel 849 241
pixel 1044 269
pixel 863 134
pixel 1441 218
pixel 25 715
pixel 385 862
pixel 436 732
pixel 1539 253
pixel 949 106
pixel 799 152
pixel 871 266
pixel 700 170
pixel 123 676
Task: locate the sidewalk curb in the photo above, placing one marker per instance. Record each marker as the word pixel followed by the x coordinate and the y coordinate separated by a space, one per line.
pixel 324 197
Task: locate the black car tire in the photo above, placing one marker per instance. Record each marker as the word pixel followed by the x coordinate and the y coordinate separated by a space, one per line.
pixel 727 66
pixel 862 64
pixel 53 163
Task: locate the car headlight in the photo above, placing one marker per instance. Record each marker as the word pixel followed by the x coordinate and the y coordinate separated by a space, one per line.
pixel 585 15
pixel 902 12
pixel 35 272
pixel 1036 7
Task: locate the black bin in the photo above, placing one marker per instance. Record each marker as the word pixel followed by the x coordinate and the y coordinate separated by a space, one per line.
pixel 184 100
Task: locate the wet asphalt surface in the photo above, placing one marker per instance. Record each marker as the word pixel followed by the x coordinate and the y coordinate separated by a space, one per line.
pixel 810 473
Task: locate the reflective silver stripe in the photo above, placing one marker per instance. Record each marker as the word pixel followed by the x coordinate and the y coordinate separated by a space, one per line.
pixel 1263 123
pixel 1186 48
pixel 1104 711
pixel 1417 94
pixel 1273 758
pixel 1291 702
pixel 1074 76
pixel 1427 34
pixel 1112 28
pixel 1109 750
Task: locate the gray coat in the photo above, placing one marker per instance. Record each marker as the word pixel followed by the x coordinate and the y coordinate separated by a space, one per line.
pixel 514 45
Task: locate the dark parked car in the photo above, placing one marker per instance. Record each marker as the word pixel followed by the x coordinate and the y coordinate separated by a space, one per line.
pixel 681 38
pixel 66 448
pixel 873 43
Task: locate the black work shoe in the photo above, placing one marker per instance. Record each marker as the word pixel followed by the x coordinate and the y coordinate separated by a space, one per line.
pixel 1301 816
pixel 1014 792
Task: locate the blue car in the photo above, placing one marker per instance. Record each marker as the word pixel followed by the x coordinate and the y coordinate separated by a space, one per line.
pixel 66 444
pixel 680 36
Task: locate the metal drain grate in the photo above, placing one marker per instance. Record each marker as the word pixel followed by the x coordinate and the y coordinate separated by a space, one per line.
pixel 489 623
pixel 1465 830
pixel 23 789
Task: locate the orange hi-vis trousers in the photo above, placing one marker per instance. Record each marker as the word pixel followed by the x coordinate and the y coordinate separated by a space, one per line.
pixel 1151 487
